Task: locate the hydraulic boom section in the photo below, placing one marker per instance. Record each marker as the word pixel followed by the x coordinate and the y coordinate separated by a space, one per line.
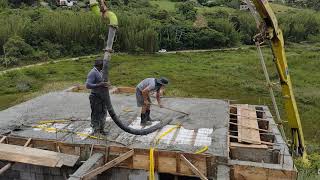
pixel 272 32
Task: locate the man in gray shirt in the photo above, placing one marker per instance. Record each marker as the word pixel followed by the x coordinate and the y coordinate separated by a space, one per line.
pixel 143 90
pixel 97 99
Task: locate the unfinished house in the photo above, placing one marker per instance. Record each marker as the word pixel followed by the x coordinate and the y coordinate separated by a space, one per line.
pixel 49 138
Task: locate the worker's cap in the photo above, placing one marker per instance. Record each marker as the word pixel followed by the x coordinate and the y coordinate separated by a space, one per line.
pixel 98 62
pixel 163 81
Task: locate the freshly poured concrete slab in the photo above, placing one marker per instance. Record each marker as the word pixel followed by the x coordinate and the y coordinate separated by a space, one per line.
pixel 208 120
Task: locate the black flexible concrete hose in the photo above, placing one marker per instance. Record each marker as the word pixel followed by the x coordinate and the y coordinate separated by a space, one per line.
pixel 113 115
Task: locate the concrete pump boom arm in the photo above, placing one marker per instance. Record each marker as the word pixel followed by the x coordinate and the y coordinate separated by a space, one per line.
pixel 272 32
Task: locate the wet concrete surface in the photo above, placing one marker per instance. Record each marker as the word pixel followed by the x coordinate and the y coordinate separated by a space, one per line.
pixel 206 116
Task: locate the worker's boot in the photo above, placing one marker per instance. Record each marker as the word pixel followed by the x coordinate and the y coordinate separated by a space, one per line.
pixel 144 120
pixel 148 115
pixel 102 132
pixel 95 132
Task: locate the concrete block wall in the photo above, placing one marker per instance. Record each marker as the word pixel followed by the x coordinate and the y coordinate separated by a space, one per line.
pixel 20 171
pixel 126 174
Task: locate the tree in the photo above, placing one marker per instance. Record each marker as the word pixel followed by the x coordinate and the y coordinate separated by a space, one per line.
pixel 187 9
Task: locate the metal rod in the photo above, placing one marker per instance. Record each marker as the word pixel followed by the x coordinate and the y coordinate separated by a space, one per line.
pixel 249 117
pixel 171 109
pixel 274 102
pixel 250 127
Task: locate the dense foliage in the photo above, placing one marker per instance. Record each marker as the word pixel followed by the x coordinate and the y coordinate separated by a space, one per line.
pixel 313 4
pixel 38 33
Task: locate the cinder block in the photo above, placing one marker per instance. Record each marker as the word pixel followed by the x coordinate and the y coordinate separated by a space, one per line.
pixel 37 169
pixel 55 171
pixel 21 167
pixel 58 178
pixel 6 178
pixel 11 174
pixel 27 176
pixel 40 177
pixel 48 177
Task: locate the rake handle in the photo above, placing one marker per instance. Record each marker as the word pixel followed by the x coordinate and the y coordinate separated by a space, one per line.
pixel 171 109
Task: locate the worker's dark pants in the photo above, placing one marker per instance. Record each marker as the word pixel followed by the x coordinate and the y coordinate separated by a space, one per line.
pixel 98 111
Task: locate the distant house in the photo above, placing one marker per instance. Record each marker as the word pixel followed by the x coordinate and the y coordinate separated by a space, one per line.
pixel 68 3
pixel 245 7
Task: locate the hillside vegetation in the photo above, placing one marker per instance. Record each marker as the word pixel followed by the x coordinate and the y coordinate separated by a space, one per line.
pixel 30 34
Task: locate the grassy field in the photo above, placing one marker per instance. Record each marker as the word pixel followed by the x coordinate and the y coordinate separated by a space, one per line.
pixel 165 5
pixel 234 75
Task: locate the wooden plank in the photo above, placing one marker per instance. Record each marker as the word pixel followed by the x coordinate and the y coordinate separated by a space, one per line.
pixel 256 146
pixel 8 166
pixel 263 130
pixel 193 168
pixel 108 165
pixel 262 142
pixel 94 161
pixel 251 172
pixel 248 125
pixel 166 159
pixel 34 156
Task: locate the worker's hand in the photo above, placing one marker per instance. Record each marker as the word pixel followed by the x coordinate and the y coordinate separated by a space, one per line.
pixel 104 84
pixel 146 102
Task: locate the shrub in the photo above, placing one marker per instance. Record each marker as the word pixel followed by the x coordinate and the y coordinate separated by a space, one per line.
pixel 3 4
pixel 300 26
pixel 139 34
pixel 8 61
pixel 226 27
pixel 53 49
pixel 16 47
pixel 244 23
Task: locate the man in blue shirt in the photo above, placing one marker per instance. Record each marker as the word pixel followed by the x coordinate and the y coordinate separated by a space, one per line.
pixel 143 90
pixel 97 100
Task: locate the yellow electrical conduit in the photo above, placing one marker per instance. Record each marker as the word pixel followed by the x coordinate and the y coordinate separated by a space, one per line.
pixel 52 129
pixel 202 150
pixel 151 157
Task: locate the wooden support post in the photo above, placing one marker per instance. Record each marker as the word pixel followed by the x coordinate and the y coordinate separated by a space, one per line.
pixel 193 168
pixel 108 165
pixel 27 143
pixel 8 166
pixel 3 138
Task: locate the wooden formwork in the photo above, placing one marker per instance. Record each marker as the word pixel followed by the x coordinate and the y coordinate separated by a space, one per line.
pixel 173 162
pixel 254 153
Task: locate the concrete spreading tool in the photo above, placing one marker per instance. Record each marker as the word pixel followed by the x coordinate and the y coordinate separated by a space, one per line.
pixel 171 109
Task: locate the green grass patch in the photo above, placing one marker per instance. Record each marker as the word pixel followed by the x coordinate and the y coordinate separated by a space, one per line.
pixel 203 9
pixel 165 5
pixel 279 8
pixel 234 75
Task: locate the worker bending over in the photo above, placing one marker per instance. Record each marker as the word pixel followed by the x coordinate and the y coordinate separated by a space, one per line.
pixel 143 90
pixel 97 97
